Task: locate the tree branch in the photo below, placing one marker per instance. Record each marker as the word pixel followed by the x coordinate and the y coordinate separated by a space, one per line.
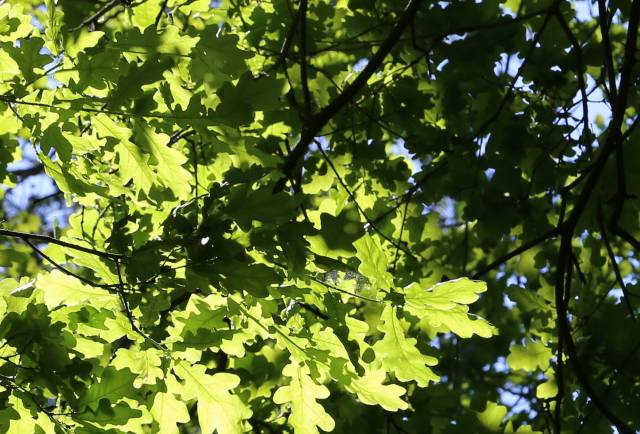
pixel 30 171
pixel 606 45
pixel 562 296
pixel 163 6
pixel 303 58
pixel 92 19
pixel 517 251
pixel 319 120
pixel 614 264
pixel 288 40
pixel 38 200
pixel 67 271
pixel 586 133
pixel 46 239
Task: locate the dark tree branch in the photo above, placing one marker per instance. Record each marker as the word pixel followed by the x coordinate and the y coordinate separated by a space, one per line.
pixel 404 219
pixel 626 236
pixel 608 50
pixel 314 310
pixel 46 239
pixel 288 41
pixel 614 264
pixel 319 120
pixel 38 200
pixel 163 6
pixel 30 171
pixel 67 271
pixel 517 251
pixel 182 133
pixel 303 58
pixel 613 140
pixel 93 19
pixel 194 150
pixel 586 133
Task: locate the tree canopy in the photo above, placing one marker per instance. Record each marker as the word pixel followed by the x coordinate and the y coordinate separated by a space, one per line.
pixel 294 216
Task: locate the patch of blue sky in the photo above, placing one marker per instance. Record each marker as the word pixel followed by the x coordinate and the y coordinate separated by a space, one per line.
pixel 19 197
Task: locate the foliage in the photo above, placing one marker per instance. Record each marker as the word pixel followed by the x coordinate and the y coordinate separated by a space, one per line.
pixel 280 213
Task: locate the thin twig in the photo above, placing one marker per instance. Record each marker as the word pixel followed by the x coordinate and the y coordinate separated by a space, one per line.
pixel 359 208
pixel 608 50
pixel 38 200
pixel 614 265
pixel 483 127
pixel 30 171
pixel 97 15
pixel 586 133
pixel 179 135
pixel 67 271
pixel 303 58
pixel 314 310
pixel 404 219
pixel 515 252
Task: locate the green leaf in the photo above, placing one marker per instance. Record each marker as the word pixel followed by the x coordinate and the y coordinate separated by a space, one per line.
pixel 444 296
pixel 307 415
pixel 169 41
pixel 246 205
pixel 371 390
pixel 491 418
pixel 373 262
pixel 251 286
pixel 62 290
pixel 218 408
pixel 29 58
pixel 547 389
pixel 167 162
pixel 145 14
pixel 168 410
pixel 8 67
pixel 529 357
pixel 112 386
pixel 81 41
pixel 399 354
pixel 337 234
pixel 133 162
pixel 145 364
pixel 443 307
